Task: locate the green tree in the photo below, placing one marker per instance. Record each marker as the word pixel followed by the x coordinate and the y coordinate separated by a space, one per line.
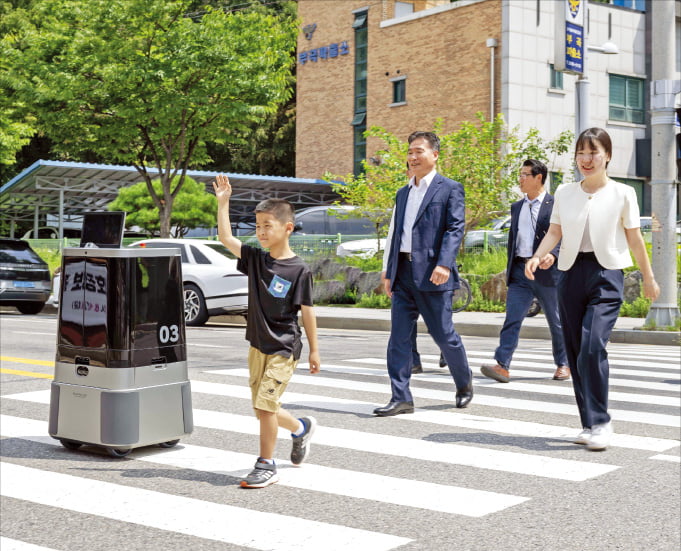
pixel 483 156
pixel 194 208
pixel 150 82
pixel 17 125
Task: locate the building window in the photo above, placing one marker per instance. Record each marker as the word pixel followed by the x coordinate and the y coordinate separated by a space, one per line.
pixel 639 5
pixel 556 78
pixel 361 63
pixel 399 90
pixel 626 99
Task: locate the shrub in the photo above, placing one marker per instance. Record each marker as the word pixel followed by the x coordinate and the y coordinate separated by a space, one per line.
pixel 373 301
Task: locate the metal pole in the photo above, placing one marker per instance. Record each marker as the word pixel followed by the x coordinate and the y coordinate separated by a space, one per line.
pixel 61 214
pixel 491 44
pixel 582 86
pixel 36 220
pixel 664 311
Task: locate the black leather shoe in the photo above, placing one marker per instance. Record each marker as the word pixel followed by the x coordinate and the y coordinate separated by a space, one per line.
pixel 464 396
pixel 417 369
pixel 394 408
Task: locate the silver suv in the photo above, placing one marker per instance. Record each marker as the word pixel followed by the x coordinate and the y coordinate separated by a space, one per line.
pixel 24 277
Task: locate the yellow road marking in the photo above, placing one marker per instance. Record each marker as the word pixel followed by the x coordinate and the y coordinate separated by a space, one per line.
pixel 26 361
pixel 26 373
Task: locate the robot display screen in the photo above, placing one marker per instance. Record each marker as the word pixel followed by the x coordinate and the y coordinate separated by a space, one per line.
pixel 103 229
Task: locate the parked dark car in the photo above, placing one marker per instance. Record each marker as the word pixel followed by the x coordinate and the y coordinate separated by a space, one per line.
pixel 322 220
pixel 25 280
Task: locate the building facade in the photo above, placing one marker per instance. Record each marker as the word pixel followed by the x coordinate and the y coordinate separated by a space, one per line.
pixel 403 65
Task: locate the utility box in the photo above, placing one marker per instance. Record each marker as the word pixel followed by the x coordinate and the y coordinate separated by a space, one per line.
pixel 121 378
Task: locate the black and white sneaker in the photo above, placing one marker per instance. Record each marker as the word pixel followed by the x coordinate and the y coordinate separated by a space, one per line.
pixel 301 444
pixel 263 474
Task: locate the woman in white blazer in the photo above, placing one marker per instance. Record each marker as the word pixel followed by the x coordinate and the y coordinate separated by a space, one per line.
pixel 597 222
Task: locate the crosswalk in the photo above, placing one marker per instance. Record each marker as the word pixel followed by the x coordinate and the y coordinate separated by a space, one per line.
pixel 349 449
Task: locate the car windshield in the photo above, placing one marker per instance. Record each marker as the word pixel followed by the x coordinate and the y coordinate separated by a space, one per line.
pixel 224 251
pixel 18 253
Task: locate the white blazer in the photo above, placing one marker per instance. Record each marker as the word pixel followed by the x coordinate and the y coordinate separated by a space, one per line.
pixel 609 211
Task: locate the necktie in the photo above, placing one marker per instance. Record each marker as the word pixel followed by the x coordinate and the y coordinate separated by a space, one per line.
pixel 533 215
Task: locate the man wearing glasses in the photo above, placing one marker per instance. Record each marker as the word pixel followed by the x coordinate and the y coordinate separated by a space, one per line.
pixel 530 219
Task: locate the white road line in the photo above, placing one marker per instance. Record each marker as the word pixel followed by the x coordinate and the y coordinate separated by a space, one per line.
pixel 360 485
pixel 670 363
pixel 197 345
pixel 455 454
pixel 54 335
pixel 479 399
pixel 546 367
pixel 193 517
pixel 670 458
pixel 443 374
pixel 449 419
pixel 7 544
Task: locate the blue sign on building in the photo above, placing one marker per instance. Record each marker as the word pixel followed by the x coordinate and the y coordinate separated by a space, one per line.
pixel 324 52
pixel 574 47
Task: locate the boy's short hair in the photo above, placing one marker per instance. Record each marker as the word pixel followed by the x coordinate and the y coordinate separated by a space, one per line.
pixel 281 209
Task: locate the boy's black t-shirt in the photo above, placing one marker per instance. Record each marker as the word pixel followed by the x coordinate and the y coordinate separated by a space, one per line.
pixel 276 290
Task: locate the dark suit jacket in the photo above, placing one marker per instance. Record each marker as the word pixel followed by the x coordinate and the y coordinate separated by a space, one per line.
pixel 543 277
pixel 436 236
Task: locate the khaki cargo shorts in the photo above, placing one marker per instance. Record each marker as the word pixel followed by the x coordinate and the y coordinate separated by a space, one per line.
pixel 269 376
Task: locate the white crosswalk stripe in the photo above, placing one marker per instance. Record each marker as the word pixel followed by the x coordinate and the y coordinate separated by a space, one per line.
pixel 7 544
pixel 644 392
pixel 190 516
pixel 483 458
pixel 411 493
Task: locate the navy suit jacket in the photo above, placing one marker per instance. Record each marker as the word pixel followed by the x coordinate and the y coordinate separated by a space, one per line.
pixel 543 277
pixel 436 235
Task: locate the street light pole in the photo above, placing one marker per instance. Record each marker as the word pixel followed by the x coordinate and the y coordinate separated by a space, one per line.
pixel 664 90
pixel 583 85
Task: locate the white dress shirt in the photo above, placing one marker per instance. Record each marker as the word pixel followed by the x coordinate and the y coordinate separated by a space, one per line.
pixel 527 223
pixel 609 211
pixel 414 200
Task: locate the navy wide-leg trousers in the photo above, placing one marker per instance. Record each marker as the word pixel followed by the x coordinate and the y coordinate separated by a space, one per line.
pixel 589 298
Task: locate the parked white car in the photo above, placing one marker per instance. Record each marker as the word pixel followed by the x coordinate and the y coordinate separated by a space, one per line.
pixel 212 284
pixel 363 248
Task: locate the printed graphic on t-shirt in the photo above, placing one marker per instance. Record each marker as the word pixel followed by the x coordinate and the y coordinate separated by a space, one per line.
pixel 279 287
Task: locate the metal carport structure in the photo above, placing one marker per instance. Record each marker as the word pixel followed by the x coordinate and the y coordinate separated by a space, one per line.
pixel 66 188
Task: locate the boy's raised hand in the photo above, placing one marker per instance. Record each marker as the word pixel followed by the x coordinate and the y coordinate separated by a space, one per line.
pixel 222 187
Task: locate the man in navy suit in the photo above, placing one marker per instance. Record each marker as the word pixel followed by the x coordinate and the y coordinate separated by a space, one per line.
pixel 421 273
pixel 530 219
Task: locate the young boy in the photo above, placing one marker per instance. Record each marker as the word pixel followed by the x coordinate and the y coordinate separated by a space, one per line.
pixel 279 284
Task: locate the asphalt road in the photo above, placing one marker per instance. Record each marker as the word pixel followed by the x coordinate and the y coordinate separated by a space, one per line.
pixel 501 474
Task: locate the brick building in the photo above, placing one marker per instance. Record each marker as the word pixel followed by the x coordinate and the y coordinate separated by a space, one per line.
pixel 417 69
pixel 402 65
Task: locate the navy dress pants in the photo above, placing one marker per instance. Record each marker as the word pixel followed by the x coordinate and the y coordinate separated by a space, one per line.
pixel 436 309
pixel 521 291
pixel 589 298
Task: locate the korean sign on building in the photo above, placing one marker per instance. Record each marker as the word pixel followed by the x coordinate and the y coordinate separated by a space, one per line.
pixel 570 34
pixel 324 52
